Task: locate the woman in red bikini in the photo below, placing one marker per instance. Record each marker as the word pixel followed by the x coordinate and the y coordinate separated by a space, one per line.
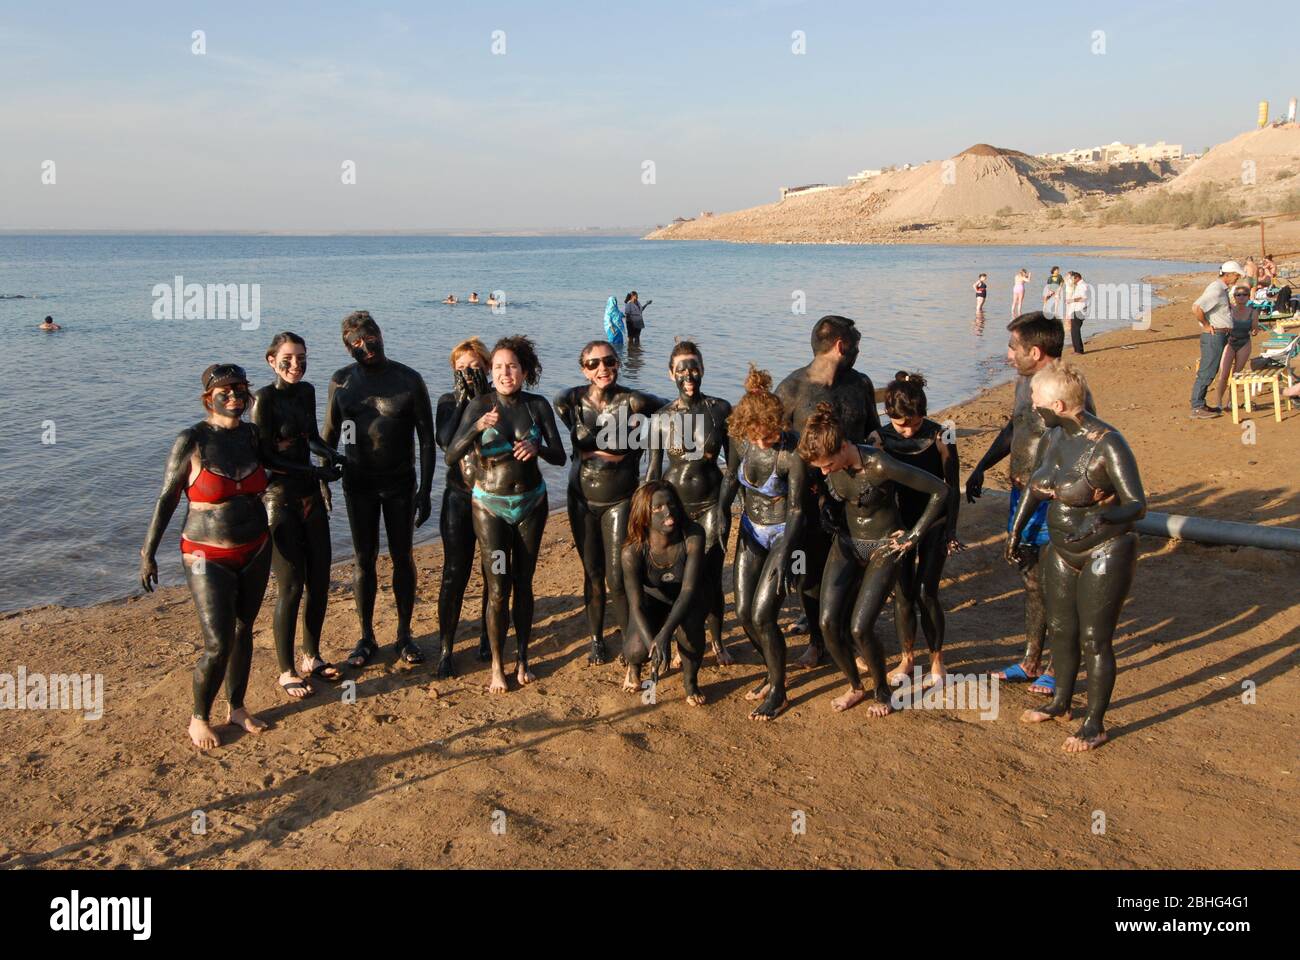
pixel 224 545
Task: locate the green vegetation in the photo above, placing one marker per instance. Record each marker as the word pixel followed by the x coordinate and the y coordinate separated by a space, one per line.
pixel 1288 204
pixel 1004 212
pixel 1203 207
pixel 1285 174
pixel 1091 204
pixel 1054 213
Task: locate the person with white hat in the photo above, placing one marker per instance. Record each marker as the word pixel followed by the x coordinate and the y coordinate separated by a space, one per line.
pixel 1213 311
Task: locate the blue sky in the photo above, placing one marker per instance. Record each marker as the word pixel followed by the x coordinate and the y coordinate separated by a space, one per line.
pixel 252 135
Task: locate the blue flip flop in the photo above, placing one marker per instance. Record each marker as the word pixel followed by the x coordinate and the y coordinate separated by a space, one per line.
pixel 1048 683
pixel 1015 674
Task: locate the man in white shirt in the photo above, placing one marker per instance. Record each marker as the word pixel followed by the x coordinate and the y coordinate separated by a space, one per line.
pixel 1213 312
pixel 1079 300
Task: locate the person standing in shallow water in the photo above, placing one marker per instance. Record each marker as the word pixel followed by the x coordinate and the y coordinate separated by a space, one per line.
pixel 508 431
pixel 692 430
pixel 869 540
pixel 606 445
pixel 224 544
pixel 632 318
pixel 1088 474
pixel 297 498
pixel 376 406
pixel 830 378
pixel 667 587
pixel 469 366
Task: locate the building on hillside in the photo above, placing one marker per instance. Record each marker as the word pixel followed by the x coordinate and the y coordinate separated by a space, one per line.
pixel 863 175
pixel 806 188
pixel 1117 152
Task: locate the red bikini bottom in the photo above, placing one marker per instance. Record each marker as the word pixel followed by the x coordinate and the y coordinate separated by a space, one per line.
pixel 236 557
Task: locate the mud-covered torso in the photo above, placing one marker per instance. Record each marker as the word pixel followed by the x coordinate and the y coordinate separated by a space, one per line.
pixel 460 473
pixel 233 454
pixel 852 395
pixel 607 427
pixel 1027 431
pixel 663 573
pixel 922 451
pixel 286 416
pixel 1074 477
pixel 764 475
pixel 870 499
pixel 383 408
pixel 495 468
pixel 693 438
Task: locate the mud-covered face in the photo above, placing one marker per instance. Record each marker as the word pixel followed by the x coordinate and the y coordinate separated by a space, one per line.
pixel 230 401
pixel 906 427
pixel 507 373
pixel 1050 410
pixel 600 366
pixel 838 460
pixel 1021 357
pixel 289 362
pixel 688 374
pixel 663 513
pixel 850 356
pixel 366 344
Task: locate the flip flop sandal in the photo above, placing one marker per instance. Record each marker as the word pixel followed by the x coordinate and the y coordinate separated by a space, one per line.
pixel 295 685
pixel 1044 685
pixel 408 652
pixel 319 673
pixel 1016 674
pixel 364 651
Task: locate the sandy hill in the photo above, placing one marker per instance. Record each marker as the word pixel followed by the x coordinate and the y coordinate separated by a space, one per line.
pixel 1273 150
pixel 981 182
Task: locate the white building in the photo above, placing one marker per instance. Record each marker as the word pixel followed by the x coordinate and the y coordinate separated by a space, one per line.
pixel 806 188
pixel 863 175
pixel 1117 152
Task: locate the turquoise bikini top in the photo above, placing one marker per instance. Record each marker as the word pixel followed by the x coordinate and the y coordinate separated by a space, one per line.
pixel 492 444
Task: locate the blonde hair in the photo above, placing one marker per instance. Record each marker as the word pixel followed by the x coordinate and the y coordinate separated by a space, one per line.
pixel 1063 381
pixel 475 346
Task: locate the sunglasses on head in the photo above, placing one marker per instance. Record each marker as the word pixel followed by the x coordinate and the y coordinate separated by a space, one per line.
pixel 591 363
pixel 227 371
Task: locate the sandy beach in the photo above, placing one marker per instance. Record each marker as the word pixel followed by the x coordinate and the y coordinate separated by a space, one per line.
pixel 413 773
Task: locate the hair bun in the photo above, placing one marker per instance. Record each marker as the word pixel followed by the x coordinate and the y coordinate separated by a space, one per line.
pixel 758 381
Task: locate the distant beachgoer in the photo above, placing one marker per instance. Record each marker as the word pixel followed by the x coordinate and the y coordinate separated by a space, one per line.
pixel 1052 294
pixel 1213 313
pixel 1267 268
pixel 1245 324
pixel 632 308
pixel 451 298
pixel 1018 292
pixel 48 324
pixel 1077 305
pixel 492 301
pixel 981 288
pixel 473 297
pixel 615 326
pixel 1252 270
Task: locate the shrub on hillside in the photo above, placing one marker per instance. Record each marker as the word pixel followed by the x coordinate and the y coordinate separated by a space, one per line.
pixel 1203 207
pixel 1004 211
pixel 1285 174
pixel 1054 213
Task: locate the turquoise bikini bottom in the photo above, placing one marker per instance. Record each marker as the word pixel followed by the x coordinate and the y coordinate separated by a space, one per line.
pixel 511 507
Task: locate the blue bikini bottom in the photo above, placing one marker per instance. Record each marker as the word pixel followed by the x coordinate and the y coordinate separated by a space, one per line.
pixel 511 507
pixel 764 534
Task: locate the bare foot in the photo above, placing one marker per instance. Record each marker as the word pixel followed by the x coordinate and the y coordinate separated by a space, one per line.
pixel 204 737
pixel 246 721
pixel 1038 716
pixel 632 680
pixel 771 708
pixel 524 676
pixel 676 662
pixel 696 699
pixel 724 658
pixel 879 708
pixel 1081 742
pixel 498 684
pixel 1043 691
pixel 850 699
pixel 759 692
pixel 900 673
pixel 811 657
pixel 863 666
pixel 294 687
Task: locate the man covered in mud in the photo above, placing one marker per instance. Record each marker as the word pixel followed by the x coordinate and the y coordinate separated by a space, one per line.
pixel 830 377
pixel 377 406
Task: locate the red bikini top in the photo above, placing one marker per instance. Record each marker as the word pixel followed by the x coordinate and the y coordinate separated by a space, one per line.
pixel 209 487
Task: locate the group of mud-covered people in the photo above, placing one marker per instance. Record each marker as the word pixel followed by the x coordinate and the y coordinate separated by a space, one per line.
pixel 835 503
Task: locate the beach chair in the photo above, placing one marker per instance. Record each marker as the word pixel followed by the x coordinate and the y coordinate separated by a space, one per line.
pixel 1268 371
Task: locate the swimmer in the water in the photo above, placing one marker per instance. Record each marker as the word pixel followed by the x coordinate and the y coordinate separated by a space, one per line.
pixel 761 459
pixel 473 297
pixel 869 541
pixel 1090 477
pixel 606 445
pixel 48 324
pixel 693 431
pixel 981 288
pixel 1018 291
pixel 450 298
pixel 913 439
pixel 469 365
pixel 508 431
pixel 224 544
pixel 380 406
pixel 297 500
pixel 492 301
pixel 667 587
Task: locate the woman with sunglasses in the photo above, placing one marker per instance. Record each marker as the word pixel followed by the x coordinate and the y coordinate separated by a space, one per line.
pixel 297 501
pixel 508 430
pixel 224 544
pixel 1236 352
pixel 606 422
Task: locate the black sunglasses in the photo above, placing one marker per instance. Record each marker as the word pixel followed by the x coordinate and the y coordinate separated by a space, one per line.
pixel 591 363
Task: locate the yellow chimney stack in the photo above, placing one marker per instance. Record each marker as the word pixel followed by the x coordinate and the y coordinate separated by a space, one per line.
pixel 1263 113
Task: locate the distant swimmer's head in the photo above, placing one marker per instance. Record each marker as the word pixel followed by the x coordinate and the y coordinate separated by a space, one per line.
pixel 1035 339
pixel 599 363
pixel 287 356
pixel 905 402
pixel 514 365
pixel 362 338
pixel 686 366
pixel 655 507
pixel 759 417
pixel 839 334
pixel 822 443
pixel 1060 391
pixel 225 389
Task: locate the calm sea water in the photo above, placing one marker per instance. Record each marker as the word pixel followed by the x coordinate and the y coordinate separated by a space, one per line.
pixel 116 385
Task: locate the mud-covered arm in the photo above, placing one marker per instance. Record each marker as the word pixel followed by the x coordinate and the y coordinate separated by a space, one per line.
pixel 447 418
pixel 630 558
pixel 175 475
pixel 315 443
pixel 263 419
pixel 646 403
pixel 333 417
pixel 730 479
pixel 552 448
pixel 567 404
pixel 1121 466
pixel 655 468
pixel 796 488
pixel 1030 498
pixel 952 477
pixel 466 433
pixel 424 435
pixel 998 451
pixel 873 415
pixel 887 467
pixel 690 582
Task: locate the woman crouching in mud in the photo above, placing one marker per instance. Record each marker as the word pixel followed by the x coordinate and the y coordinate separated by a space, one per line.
pixel 664 575
pixel 509 430
pixel 863 563
pixel 1087 471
